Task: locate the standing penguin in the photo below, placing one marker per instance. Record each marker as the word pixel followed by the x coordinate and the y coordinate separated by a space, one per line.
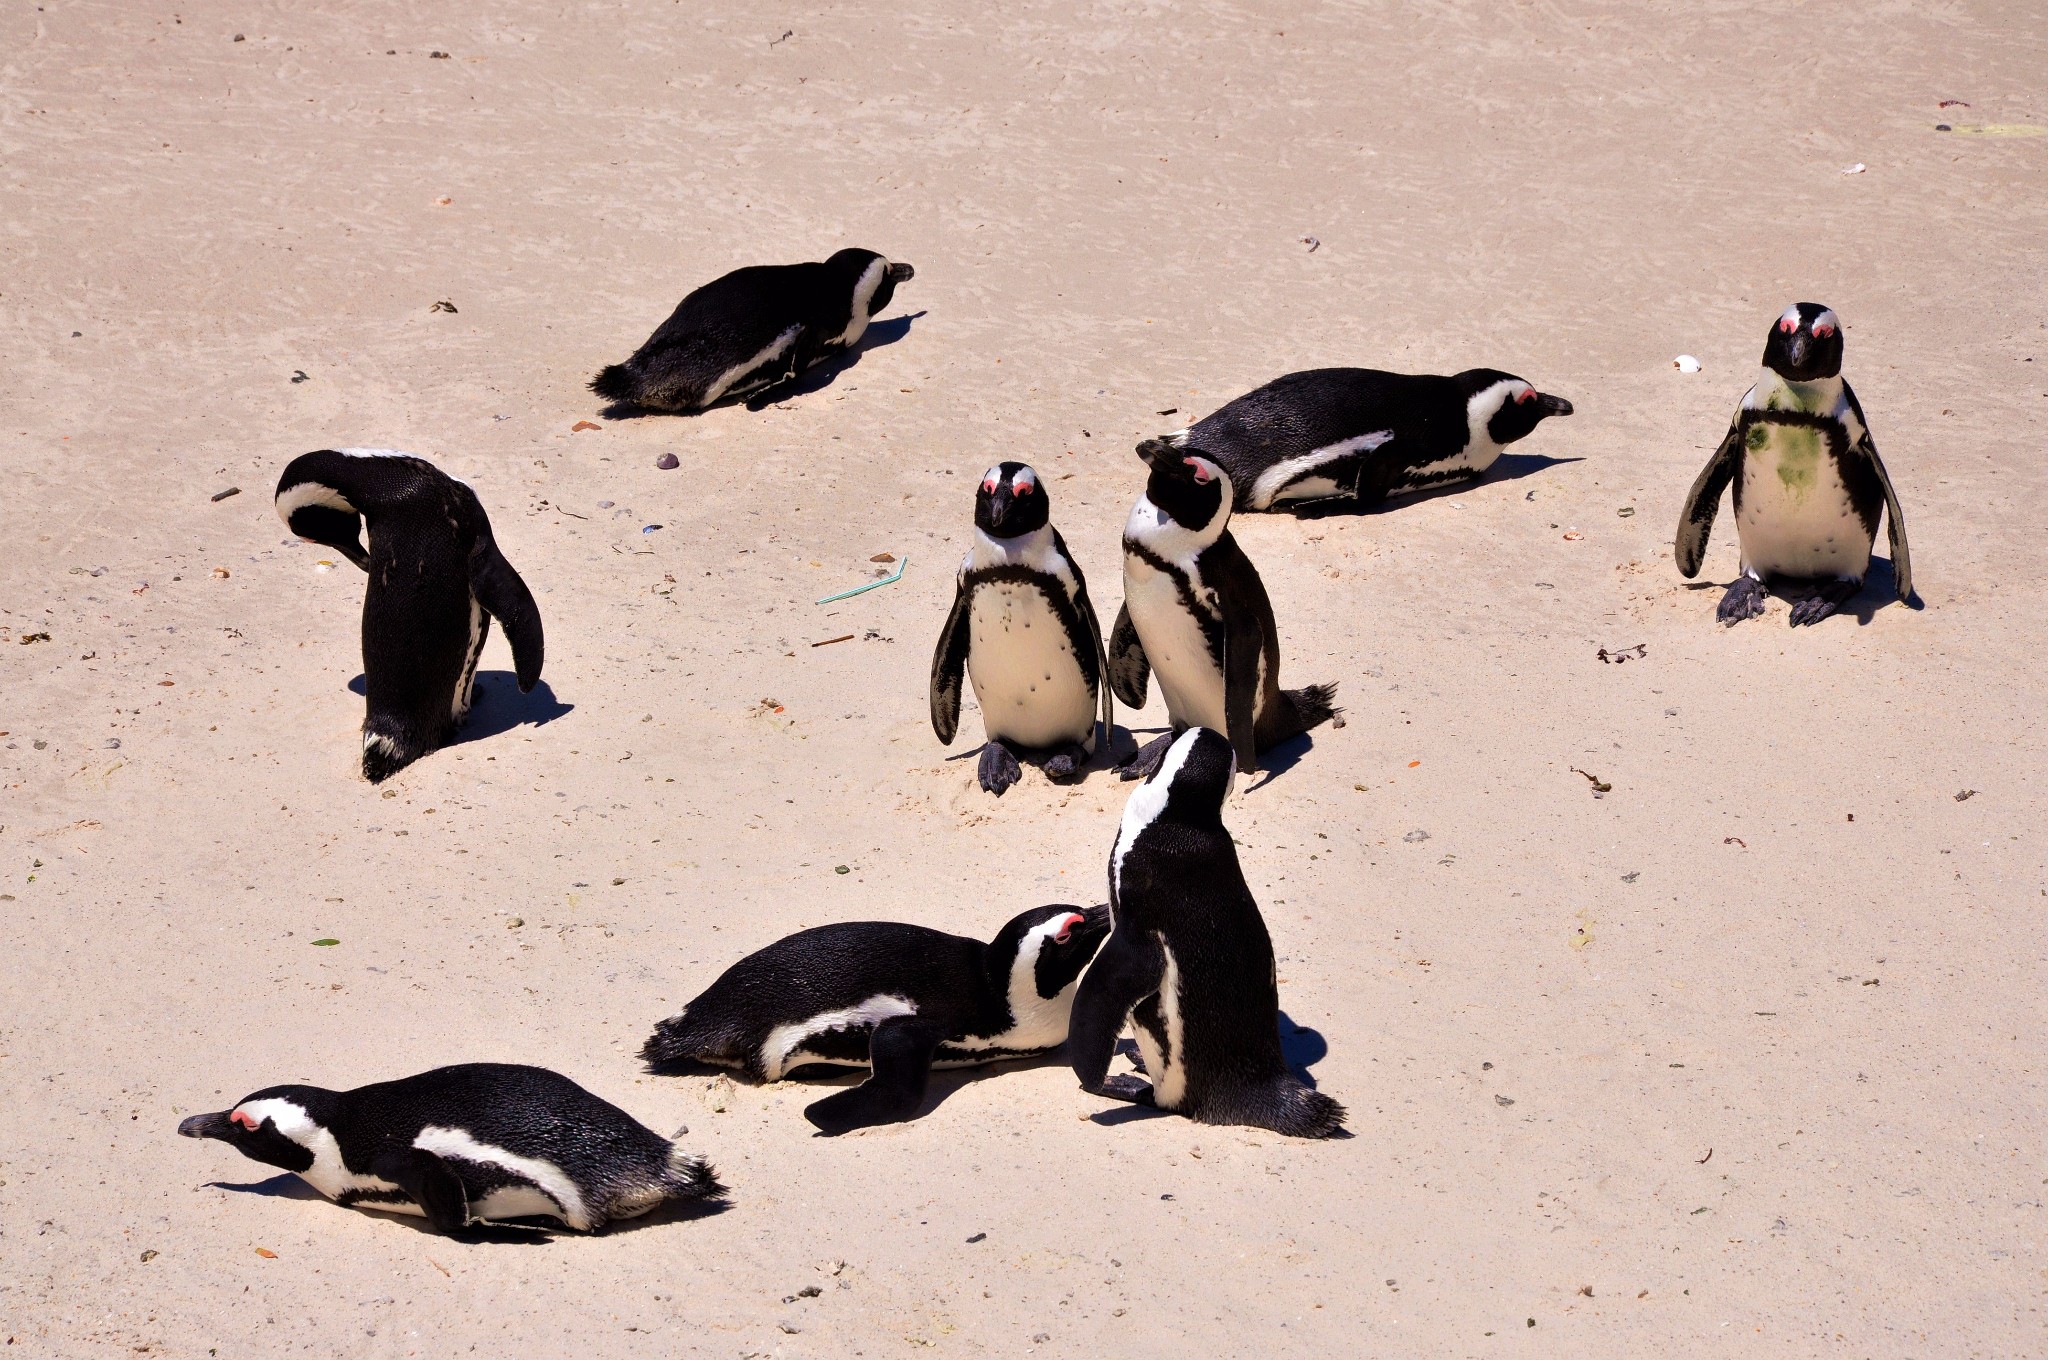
pixel 437 580
pixel 1807 478
pixel 474 1143
pixel 1196 612
pixel 752 329
pixel 1024 631
pixel 1361 435
pixel 899 999
pixel 1188 964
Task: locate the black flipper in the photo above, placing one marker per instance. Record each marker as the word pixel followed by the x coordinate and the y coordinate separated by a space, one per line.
pixel 1147 760
pixel 949 666
pixel 1242 645
pixel 431 1183
pixel 900 1051
pixel 505 598
pixel 1895 523
pixel 1123 974
pixel 1703 502
pixel 998 768
pixel 1129 671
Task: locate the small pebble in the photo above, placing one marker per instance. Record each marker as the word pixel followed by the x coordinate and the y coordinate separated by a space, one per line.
pixel 223 495
pixel 978 1237
pixel 1416 837
pixel 113 743
pixel 668 462
pixel 515 923
pixel 604 505
pixel 1502 1100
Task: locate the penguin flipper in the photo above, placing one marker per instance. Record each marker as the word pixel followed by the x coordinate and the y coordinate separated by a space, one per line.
pixel 1243 640
pixel 949 665
pixel 431 1183
pixel 1124 972
pixel 900 1052
pixel 1129 671
pixel 505 598
pixel 1703 502
pixel 1895 523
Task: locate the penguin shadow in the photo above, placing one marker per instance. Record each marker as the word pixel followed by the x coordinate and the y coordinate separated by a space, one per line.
pixel 497 706
pixel 878 334
pixel 523 1232
pixel 825 1078
pixel 1509 467
pixel 1300 1047
pixel 1282 758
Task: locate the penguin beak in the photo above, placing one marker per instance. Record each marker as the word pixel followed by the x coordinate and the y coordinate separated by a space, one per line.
pixel 206 1126
pixel 1553 406
pixel 901 273
pixel 1158 453
pixel 1796 348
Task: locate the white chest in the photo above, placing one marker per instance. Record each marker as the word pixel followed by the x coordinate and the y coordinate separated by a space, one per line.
pixel 1022 665
pixel 1189 678
pixel 1796 518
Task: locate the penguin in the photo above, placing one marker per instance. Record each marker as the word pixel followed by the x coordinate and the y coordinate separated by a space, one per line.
pixel 1196 612
pixel 899 999
pixel 1188 964
pixel 1023 629
pixel 752 329
pixel 437 580
pixel 474 1143
pixel 1360 435
pixel 1808 482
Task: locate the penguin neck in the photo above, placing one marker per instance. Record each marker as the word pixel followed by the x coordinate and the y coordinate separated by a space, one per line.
pixel 1159 533
pixel 1035 1020
pixel 1030 549
pixel 1480 409
pixel 1776 392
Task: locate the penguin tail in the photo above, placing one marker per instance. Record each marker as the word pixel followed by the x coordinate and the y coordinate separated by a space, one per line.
pixel 386 752
pixel 615 382
pixel 1306 708
pixel 673 1047
pixel 692 1178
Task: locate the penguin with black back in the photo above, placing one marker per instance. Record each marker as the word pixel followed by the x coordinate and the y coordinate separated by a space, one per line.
pixel 437 579
pixel 1358 435
pixel 753 329
pixel 1808 484
pixel 463 1145
pixel 1024 632
pixel 899 999
pixel 1196 614
pixel 1188 965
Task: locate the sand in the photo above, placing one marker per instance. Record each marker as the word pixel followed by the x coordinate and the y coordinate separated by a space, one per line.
pixel 1699 1066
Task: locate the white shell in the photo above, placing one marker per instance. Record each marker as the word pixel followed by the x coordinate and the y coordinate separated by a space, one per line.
pixel 1685 363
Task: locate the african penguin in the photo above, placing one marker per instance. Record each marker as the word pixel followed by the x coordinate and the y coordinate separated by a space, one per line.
pixel 1188 964
pixel 1808 484
pixel 437 580
pixel 1023 629
pixel 752 329
pixel 474 1143
pixel 1359 435
pixel 897 998
pixel 1196 613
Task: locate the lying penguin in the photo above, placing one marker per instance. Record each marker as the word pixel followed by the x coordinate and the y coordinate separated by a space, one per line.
pixel 1360 435
pixel 1025 633
pixel 1188 965
pixel 752 329
pixel 1196 613
pixel 899 999
pixel 437 580
pixel 474 1143
pixel 1807 479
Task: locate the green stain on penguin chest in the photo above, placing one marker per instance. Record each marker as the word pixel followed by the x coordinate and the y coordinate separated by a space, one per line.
pixel 1794 453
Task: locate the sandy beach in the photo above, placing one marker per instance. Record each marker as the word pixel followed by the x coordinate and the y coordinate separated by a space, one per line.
pixel 1741 1057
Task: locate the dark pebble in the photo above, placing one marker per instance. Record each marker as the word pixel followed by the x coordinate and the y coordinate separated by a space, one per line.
pixel 668 462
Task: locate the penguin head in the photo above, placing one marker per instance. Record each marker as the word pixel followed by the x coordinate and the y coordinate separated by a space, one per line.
pixel 1510 407
pixel 1047 948
pixel 277 1126
pixel 1195 777
pixel 855 264
pixel 1188 488
pixel 1805 344
pixel 318 513
pixel 1010 502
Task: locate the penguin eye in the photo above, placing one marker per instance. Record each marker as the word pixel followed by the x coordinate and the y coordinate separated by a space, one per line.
pixel 1788 324
pixel 246 1121
pixel 1201 473
pixel 1822 330
pixel 1023 486
pixel 1066 933
pixel 1525 396
pixel 989 485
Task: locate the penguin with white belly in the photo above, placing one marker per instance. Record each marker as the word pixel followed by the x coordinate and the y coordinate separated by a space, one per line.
pixel 1196 614
pixel 1024 632
pixel 437 579
pixel 474 1143
pixel 898 999
pixel 1358 435
pixel 753 329
pixel 1808 484
pixel 1189 965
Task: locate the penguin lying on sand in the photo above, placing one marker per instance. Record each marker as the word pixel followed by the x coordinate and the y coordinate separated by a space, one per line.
pixel 752 329
pixel 1808 482
pixel 1024 631
pixel 900 999
pixel 1196 613
pixel 474 1143
pixel 1189 965
pixel 437 580
pixel 1361 435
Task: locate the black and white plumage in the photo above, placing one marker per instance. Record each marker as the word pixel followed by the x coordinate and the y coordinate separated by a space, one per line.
pixel 1024 632
pixel 473 1143
pixel 752 329
pixel 1188 964
pixel 1196 615
pixel 899 999
pixel 1808 484
pixel 437 579
pixel 1360 435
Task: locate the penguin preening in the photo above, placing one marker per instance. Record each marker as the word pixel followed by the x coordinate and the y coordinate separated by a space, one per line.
pixel 1196 614
pixel 1188 964
pixel 1360 435
pixel 899 999
pixel 436 581
pixel 473 1143
pixel 1808 484
pixel 753 329
pixel 1024 631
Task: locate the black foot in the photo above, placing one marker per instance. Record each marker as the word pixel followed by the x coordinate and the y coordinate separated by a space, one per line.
pixel 1824 602
pixel 1066 763
pixel 1126 1088
pixel 1744 600
pixel 999 768
pixel 1144 764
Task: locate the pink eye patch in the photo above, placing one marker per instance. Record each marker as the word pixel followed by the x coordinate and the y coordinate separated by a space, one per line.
pixel 244 1120
pixel 1067 929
